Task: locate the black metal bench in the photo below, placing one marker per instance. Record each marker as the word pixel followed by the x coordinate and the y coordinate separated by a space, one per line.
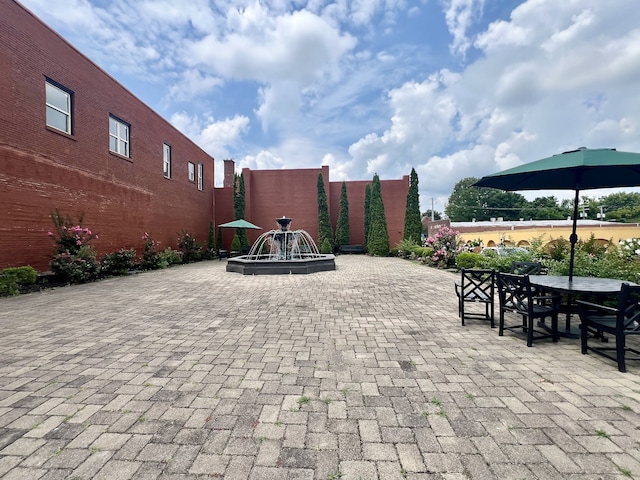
pixel 356 249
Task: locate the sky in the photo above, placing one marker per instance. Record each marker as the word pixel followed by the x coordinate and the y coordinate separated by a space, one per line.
pixel 452 88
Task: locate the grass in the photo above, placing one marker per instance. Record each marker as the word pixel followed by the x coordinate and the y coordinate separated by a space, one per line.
pixel 602 434
pixel 303 401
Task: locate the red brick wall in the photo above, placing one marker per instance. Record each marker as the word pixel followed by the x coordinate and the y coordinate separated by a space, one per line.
pixel 270 194
pixel 41 169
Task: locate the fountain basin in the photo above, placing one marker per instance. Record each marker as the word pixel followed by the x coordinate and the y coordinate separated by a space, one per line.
pixel 250 265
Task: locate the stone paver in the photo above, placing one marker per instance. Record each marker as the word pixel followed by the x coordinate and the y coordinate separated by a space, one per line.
pixel 360 373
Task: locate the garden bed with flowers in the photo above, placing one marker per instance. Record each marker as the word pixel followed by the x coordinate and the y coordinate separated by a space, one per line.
pixel 75 260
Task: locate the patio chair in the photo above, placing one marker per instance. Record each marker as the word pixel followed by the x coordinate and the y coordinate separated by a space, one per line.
pixel 476 286
pixel 526 268
pixel 517 296
pixel 620 322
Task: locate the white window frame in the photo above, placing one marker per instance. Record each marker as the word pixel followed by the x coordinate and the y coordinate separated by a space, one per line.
pixel 166 160
pixel 200 176
pixel 192 171
pixel 50 85
pixel 121 136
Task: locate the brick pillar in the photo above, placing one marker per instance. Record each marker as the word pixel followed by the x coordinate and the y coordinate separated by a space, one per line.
pixel 229 171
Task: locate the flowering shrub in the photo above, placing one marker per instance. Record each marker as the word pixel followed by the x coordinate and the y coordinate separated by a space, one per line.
pixel 75 260
pixel 170 256
pixel 151 258
pixel 119 262
pixel 444 245
pixel 79 268
pixel 69 236
pixel 191 250
pixel 630 248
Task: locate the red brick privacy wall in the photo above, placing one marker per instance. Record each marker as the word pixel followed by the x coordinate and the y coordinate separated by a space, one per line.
pixel 394 196
pixel 270 194
pixel 42 169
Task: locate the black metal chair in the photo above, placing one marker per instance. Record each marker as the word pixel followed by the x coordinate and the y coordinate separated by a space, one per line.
pixel 476 286
pixel 620 322
pixel 526 268
pixel 517 296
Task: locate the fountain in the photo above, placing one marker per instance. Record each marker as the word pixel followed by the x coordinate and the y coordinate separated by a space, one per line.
pixel 282 251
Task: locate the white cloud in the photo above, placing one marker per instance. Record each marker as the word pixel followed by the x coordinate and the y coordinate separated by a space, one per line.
pixel 192 84
pixel 460 16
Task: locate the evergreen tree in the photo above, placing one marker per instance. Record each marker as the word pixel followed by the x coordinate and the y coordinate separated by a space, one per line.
pixel 378 241
pixel 239 206
pixel 211 244
pixel 367 212
pixel 342 229
pixel 324 222
pixel 219 242
pixel 412 221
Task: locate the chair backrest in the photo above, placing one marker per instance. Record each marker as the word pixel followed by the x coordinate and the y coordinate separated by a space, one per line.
pixel 514 292
pixel 629 307
pixel 526 268
pixel 478 283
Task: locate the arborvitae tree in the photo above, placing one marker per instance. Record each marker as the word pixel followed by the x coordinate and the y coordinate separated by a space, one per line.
pixel 412 221
pixel 342 229
pixel 324 222
pixel 239 206
pixel 211 244
pixel 367 212
pixel 219 242
pixel 378 242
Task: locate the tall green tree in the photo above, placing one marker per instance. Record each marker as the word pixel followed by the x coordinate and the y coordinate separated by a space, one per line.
pixel 367 212
pixel 239 207
pixel 412 220
pixel 342 229
pixel 325 232
pixel 467 202
pixel 378 241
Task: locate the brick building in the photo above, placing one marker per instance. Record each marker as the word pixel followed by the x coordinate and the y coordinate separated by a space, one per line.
pixel 73 139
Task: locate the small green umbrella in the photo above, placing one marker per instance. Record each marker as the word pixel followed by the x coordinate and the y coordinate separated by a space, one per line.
pixel 581 169
pixel 240 224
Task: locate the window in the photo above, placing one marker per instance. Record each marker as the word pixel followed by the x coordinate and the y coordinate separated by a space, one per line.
pixel 192 172
pixel 58 106
pixel 166 160
pixel 200 175
pixel 118 136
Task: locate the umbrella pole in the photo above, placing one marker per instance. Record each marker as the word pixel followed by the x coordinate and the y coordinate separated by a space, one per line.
pixel 574 236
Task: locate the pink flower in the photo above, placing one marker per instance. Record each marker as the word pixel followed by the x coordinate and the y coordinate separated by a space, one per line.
pixel 50 234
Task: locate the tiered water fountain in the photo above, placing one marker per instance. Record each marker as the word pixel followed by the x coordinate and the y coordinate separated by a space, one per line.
pixel 282 251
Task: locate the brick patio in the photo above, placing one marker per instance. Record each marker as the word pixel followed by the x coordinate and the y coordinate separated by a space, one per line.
pixel 360 373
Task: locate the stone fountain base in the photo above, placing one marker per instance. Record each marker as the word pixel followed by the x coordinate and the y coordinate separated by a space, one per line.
pixel 251 266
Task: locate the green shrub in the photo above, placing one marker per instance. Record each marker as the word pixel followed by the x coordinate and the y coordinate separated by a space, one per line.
pixel 79 268
pixel 151 258
pixel 11 279
pixel 395 252
pixel 406 247
pixel 235 243
pixel 468 260
pixel 326 247
pixel 422 252
pixel 119 262
pixel 170 256
pixel 191 250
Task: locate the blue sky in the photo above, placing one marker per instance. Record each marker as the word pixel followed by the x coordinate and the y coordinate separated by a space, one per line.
pixel 454 88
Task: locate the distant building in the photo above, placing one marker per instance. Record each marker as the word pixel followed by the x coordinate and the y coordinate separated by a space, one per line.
pixel 73 139
pixel 520 233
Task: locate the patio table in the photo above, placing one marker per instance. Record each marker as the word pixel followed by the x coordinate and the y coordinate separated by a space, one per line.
pixel 577 287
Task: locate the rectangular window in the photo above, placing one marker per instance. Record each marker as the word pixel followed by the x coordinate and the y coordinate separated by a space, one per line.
pixel 200 175
pixel 192 172
pixel 166 160
pixel 58 107
pixel 118 136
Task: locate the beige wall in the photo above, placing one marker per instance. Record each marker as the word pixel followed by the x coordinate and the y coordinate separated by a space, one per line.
pixel 517 236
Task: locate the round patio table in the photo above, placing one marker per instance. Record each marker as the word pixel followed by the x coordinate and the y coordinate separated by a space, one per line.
pixel 578 287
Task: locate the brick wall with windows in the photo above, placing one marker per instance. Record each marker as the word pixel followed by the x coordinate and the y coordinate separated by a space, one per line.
pixel 108 164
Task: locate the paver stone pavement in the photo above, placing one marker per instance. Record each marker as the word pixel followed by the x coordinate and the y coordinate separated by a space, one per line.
pixel 360 373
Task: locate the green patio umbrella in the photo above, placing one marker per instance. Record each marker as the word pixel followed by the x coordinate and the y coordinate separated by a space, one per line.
pixel 581 169
pixel 240 224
